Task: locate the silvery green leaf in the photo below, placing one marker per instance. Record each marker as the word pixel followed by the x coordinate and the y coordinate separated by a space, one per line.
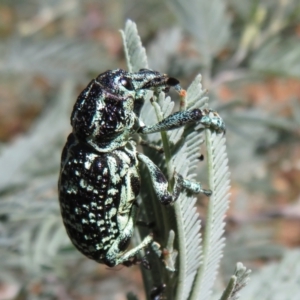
pixel 279 56
pixel 163 47
pixel 134 51
pixel 55 59
pixel 213 241
pixel 50 129
pixel 238 281
pixel 276 281
pixel 207 21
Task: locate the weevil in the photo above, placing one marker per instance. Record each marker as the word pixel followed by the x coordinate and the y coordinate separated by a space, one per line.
pixel 99 178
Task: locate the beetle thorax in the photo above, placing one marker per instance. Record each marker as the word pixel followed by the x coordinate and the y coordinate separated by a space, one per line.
pixel 103 114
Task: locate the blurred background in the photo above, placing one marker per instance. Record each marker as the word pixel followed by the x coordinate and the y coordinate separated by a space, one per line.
pixel 249 55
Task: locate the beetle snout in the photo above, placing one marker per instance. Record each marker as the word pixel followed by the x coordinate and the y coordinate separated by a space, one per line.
pixel 153 80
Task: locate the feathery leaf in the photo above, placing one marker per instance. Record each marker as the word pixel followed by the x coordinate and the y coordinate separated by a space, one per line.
pixel 207 22
pixel 236 283
pixel 48 130
pixel 56 59
pixel 134 51
pixel 276 281
pixel 279 57
pixel 213 242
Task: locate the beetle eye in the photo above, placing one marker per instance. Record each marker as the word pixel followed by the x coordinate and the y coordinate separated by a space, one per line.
pixel 127 84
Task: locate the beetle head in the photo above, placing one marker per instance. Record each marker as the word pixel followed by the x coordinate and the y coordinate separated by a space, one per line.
pixel 123 83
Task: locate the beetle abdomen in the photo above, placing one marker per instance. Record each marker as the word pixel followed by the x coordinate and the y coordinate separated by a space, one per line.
pixel 94 190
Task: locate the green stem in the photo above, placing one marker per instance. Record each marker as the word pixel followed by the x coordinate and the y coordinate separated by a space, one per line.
pixel 177 210
pixel 229 289
pixel 166 146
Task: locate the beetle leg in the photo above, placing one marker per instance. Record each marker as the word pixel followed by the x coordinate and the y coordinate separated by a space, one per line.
pixel 116 255
pixel 206 117
pixel 160 183
pixel 151 146
pixel 138 140
pixel 195 187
